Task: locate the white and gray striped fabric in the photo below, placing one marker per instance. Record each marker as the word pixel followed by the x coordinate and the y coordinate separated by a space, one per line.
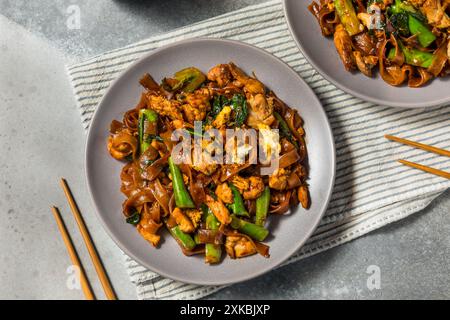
pixel 371 190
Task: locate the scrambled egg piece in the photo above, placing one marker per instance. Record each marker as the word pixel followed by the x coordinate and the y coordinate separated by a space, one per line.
pixel 195 215
pixel 270 140
pixel 223 117
pixel 205 165
pixel 197 105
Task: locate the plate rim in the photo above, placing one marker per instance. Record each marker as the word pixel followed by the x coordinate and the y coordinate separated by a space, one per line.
pixel 343 87
pixel 288 253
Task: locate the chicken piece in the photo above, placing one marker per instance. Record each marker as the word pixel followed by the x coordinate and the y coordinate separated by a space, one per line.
pixel 240 183
pixel 435 11
pixel 220 74
pixel 195 215
pixel 224 193
pixel 150 237
pixel 250 188
pixel 219 210
pixel 260 111
pixel 251 85
pixel 196 105
pixel 255 190
pixel 239 246
pixel 278 180
pixel 343 43
pixel 164 107
pixel 183 221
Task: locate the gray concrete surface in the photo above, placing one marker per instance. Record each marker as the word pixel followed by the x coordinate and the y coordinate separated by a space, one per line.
pixel 41 139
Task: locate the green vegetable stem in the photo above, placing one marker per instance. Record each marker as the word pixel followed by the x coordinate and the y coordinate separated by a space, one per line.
pixel 262 207
pixel 189 79
pixel 213 252
pixel 347 15
pixel 237 206
pixel 254 231
pixel 284 129
pixel 182 197
pixel 413 56
pixel 183 238
pixel 146 117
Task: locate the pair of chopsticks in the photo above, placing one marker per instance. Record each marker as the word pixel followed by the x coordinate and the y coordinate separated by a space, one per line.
pixel 425 147
pixel 101 273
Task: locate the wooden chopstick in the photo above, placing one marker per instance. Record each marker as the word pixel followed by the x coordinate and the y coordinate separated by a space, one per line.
pixel 101 273
pixel 425 168
pixel 85 286
pixel 418 145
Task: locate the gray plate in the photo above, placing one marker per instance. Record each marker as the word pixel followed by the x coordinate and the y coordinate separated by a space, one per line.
pixel 288 233
pixel 321 53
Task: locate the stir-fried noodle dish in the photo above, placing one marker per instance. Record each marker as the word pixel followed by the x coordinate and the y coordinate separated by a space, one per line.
pixel 407 39
pixel 176 175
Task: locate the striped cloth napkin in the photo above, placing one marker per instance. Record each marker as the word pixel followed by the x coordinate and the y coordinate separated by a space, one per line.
pixel 371 190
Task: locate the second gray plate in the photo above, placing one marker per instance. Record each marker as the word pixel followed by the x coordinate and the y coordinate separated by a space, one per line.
pixel 321 53
pixel 288 232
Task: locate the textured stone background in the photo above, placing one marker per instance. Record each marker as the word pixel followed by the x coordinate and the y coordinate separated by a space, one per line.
pixel 42 139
